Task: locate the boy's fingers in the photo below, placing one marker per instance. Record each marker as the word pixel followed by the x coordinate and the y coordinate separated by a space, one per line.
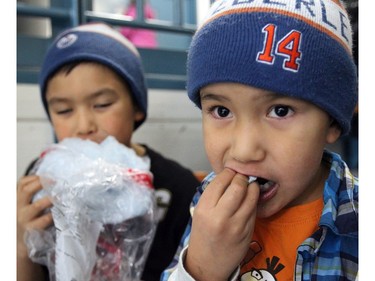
pixel 250 202
pixel 32 211
pixel 234 195
pixel 27 179
pixel 40 205
pixel 26 189
pixel 215 189
pixel 41 222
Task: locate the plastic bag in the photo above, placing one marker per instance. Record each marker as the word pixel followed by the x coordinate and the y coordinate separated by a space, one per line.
pixel 103 211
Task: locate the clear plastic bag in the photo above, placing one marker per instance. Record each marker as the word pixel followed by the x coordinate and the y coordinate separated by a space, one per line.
pixel 103 211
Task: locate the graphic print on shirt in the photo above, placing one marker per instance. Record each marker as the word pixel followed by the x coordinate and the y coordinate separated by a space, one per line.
pixel 266 273
pixel 163 201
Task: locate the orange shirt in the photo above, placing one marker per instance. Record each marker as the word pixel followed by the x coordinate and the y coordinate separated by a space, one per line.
pixel 273 251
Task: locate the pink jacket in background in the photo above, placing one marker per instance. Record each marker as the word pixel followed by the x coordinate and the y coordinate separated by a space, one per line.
pixel 140 37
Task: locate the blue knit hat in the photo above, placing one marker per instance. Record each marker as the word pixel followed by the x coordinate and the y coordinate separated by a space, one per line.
pixel 100 43
pixel 301 49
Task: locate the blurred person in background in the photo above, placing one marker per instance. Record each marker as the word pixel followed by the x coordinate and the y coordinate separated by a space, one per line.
pixel 143 38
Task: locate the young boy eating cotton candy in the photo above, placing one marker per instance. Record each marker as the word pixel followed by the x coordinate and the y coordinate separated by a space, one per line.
pixel 93 86
pixel 276 83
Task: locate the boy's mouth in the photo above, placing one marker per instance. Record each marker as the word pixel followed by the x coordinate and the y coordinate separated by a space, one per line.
pixel 264 184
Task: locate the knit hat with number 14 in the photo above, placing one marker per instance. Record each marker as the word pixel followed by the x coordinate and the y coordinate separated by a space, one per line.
pixel 301 49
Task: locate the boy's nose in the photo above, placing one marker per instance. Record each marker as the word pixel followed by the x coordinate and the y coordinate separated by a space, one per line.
pixel 247 144
pixel 86 124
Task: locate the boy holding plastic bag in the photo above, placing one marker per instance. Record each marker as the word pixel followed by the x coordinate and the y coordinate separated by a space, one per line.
pixel 92 87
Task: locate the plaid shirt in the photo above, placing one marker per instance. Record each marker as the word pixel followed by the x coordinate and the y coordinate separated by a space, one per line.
pixel 331 253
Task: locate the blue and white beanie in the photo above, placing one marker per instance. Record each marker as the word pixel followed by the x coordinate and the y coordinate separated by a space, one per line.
pixel 301 49
pixel 97 42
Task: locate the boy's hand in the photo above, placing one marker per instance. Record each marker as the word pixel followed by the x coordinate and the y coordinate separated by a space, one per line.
pixel 223 225
pixel 30 215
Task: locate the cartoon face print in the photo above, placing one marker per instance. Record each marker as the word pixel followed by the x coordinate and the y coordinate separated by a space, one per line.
pixel 258 275
pixel 264 274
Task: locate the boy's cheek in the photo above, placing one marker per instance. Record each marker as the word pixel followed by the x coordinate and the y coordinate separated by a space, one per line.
pixel 214 152
pixel 61 130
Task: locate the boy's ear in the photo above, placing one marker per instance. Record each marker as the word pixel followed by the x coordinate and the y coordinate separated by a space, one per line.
pixel 333 133
pixel 138 115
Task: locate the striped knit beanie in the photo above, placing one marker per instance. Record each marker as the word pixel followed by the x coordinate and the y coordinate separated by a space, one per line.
pixel 297 48
pixel 97 42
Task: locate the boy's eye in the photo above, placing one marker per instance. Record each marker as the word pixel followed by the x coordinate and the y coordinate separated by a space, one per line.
pixel 280 111
pixel 221 112
pixel 64 111
pixel 102 105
